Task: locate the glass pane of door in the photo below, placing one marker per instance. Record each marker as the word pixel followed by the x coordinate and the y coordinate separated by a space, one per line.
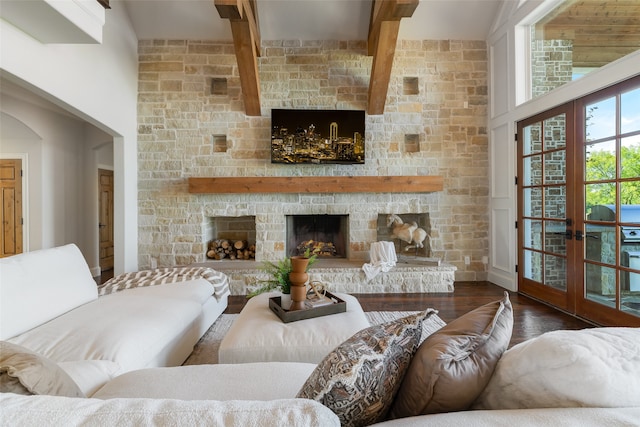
pixel 609 135
pixel 544 230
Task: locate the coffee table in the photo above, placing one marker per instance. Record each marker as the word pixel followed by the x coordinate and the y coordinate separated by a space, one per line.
pixel 258 335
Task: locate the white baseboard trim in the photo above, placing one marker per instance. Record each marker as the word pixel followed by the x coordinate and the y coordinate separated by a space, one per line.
pixel 507 281
pixel 95 271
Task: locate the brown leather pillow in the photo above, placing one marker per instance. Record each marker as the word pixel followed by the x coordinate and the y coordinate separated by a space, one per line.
pixel 452 366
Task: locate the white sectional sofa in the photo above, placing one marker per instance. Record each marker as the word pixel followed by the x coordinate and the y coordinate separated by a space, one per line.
pixel 400 373
pixel 49 304
pixel 254 394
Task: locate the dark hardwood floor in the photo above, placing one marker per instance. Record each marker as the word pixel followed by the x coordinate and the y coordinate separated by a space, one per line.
pixel 531 318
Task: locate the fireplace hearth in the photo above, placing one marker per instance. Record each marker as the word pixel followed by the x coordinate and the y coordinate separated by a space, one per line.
pixel 340 266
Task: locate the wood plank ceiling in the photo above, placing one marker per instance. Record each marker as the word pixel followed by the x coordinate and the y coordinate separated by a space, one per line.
pixel 383 35
pixel 601 30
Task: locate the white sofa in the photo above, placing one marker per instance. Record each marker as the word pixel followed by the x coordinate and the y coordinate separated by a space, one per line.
pixel 246 395
pixel 459 374
pixel 49 304
pixel 254 394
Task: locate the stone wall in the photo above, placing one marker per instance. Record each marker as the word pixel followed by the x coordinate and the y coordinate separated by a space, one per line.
pixel 192 123
pixel 551 64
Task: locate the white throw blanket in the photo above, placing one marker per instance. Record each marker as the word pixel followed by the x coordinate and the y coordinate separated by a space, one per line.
pixel 160 276
pixel 19 410
pixel 383 258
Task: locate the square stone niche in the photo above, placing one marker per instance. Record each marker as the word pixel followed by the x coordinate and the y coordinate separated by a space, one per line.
pixel 233 230
pixel 410 86
pixel 412 143
pixel 385 233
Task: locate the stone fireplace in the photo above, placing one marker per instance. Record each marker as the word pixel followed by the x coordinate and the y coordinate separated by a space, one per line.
pixel 279 231
pixel 189 132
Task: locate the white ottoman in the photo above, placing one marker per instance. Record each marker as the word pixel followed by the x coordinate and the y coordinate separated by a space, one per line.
pixel 258 335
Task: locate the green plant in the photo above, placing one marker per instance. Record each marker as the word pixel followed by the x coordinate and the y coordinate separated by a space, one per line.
pixel 279 272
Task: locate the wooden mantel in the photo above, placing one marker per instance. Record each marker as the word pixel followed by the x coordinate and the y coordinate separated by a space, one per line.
pixel 317 184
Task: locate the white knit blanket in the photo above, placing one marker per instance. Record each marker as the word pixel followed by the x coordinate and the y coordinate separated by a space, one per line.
pixel 383 258
pixel 160 276
pixel 50 411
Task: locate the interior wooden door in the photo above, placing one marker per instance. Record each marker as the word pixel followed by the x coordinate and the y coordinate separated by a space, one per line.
pixel 105 179
pixel 546 180
pixel 11 194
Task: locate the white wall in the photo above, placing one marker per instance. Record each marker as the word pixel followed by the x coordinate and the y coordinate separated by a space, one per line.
pixel 98 83
pixel 52 172
pixel 61 156
pixel 508 60
pixel 18 141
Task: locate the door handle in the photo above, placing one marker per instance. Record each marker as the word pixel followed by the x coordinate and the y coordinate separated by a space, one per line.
pixel 579 235
pixel 567 234
pixel 102 225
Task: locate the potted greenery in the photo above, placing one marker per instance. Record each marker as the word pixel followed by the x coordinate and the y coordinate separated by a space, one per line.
pixel 279 272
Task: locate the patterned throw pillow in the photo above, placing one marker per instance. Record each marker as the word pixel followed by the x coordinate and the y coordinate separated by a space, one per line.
pixel 359 379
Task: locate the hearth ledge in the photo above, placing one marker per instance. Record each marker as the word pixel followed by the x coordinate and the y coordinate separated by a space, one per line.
pixel 349 278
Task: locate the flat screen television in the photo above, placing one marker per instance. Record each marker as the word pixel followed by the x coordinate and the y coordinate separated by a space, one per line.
pixel 317 136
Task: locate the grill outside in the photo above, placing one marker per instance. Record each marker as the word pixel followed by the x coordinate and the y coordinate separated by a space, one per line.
pixel 629 214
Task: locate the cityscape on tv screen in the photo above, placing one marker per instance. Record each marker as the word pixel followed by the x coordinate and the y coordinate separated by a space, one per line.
pixel 317 136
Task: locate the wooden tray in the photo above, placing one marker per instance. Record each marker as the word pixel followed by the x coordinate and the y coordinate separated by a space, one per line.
pixel 287 316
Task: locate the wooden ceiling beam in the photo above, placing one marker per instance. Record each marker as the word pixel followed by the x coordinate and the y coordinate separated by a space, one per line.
pixel 246 41
pixel 384 26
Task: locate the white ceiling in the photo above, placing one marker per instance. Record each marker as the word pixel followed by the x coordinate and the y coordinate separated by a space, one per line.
pixel 296 19
pixel 311 19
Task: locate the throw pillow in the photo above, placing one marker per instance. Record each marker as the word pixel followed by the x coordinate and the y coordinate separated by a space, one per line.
pixel 25 372
pixel 359 378
pixel 598 367
pixel 452 366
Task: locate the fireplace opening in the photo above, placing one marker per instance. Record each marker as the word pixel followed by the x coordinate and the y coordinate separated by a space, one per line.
pixel 323 235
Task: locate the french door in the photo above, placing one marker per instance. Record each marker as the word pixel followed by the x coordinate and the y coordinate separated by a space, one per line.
pixel 546 182
pixel 579 206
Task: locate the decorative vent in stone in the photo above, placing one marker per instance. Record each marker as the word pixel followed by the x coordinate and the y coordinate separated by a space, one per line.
pixel 412 143
pixel 410 86
pixel 219 143
pixel 218 86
